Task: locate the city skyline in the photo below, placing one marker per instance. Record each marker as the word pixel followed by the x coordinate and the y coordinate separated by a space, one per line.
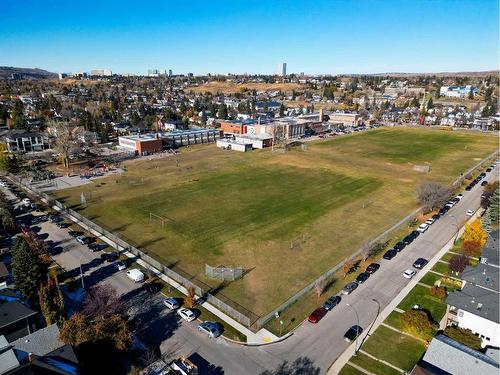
pixel 328 37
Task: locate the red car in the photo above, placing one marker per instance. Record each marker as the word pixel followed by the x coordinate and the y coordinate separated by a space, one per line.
pixel 317 314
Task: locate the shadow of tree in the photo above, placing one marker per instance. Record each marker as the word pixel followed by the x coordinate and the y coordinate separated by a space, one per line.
pixel 301 366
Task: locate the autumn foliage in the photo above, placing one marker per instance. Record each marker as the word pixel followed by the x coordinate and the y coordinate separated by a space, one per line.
pixel 438 292
pixel 475 233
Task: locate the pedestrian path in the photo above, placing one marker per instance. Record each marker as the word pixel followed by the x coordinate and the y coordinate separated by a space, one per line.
pixel 382 361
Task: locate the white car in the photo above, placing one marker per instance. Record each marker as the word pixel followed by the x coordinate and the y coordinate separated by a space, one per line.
pixel 459 196
pixel 470 212
pixel 26 201
pixel 171 303
pixel 430 221
pixel 3 184
pixel 120 266
pixel 186 314
pixel 409 273
pixel 423 227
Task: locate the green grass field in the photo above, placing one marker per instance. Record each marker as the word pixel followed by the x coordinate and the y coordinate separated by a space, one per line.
pixel 286 218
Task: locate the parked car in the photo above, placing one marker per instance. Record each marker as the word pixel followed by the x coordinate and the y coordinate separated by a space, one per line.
pixel 135 275
pixel 62 224
pixel 389 254
pixel 400 246
pixel 331 302
pixel 362 277
pixel 119 265
pixel 430 221
pixel 317 315
pixel 409 273
pixel 55 218
pixel 94 246
pixel 372 268
pixel 110 257
pixel 152 287
pixel 352 333
pixel 171 303
pixel 484 183
pixel 210 328
pixel 74 233
pixel 349 288
pixel 186 314
pixel 82 240
pixel 420 263
pixel 470 212
pixel 435 217
pixel 423 227
pixel 459 196
pixel 26 201
pixel 488 169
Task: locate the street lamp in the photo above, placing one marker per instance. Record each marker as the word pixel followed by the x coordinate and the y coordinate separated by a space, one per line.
pixel 456 226
pixel 81 272
pixel 357 333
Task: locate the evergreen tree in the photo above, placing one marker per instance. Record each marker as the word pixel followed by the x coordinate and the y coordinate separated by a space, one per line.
pixel 430 104
pixel 27 269
pixel 52 302
pixel 494 207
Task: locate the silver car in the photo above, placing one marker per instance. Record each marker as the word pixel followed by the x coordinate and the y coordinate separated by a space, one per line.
pixel 349 288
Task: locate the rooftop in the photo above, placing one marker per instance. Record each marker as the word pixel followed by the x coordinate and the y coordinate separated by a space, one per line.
pixel 11 312
pixel 476 300
pixel 40 342
pixel 447 356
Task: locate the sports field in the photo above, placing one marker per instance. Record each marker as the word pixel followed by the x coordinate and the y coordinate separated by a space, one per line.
pixel 285 217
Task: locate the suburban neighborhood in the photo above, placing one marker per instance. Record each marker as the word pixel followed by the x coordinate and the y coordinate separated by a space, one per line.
pixel 170 208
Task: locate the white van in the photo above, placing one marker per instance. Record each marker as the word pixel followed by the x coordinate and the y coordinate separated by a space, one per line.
pixel 135 275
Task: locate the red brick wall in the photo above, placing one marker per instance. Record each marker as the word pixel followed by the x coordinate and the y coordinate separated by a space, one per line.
pixel 151 146
pixel 229 127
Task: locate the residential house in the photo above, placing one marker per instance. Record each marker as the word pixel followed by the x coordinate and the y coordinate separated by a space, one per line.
pixel 476 305
pixel 447 356
pixel 16 320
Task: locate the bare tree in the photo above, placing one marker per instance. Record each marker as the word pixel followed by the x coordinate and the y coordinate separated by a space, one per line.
pixel 102 300
pixel 319 286
pixel 68 139
pixel 432 195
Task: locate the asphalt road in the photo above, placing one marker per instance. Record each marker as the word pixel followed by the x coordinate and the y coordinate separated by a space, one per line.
pixel 321 343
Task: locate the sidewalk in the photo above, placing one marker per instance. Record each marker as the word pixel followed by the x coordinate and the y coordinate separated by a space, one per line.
pixel 349 352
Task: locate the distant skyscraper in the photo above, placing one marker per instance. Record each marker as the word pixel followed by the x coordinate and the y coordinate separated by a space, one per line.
pixel 282 69
pixel 101 73
pixel 170 72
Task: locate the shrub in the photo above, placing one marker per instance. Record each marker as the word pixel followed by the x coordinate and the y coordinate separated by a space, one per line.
pixel 438 292
pixel 417 323
pixel 464 336
pixel 458 263
pixel 471 247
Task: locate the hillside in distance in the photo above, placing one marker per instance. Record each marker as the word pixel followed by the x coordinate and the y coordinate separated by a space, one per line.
pixel 35 73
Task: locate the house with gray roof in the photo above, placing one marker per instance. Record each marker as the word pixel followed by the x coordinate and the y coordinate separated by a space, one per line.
pixel 16 320
pixel 447 356
pixel 476 305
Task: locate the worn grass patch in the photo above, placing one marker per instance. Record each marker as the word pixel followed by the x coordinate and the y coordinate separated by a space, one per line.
pixel 420 295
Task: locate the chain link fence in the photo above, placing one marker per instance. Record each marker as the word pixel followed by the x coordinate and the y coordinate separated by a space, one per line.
pixel 231 308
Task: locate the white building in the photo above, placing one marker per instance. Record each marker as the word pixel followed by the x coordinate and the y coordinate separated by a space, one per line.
pixel 101 73
pixel 476 305
pixel 457 91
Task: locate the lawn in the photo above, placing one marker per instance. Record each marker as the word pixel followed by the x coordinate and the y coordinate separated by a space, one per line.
pixel 372 365
pixel 394 320
pixel 442 268
pixel 284 217
pixel 420 295
pixel 349 370
pixel 399 350
pixel 430 278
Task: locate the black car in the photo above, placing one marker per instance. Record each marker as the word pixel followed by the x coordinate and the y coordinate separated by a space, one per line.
pixel 420 263
pixel 482 175
pixel 415 234
pixel 488 170
pixel 94 246
pixel 468 188
pixel 484 183
pixel 389 254
pixel 74 233
pixel 400 246
pixel 352 333
pixel 408 239
pixel 110 257
pixel 362 277
pixel 372 268
pixel 331 302
pixel 62 224
pixel 152 288
pixel 55 218
pixel 435 217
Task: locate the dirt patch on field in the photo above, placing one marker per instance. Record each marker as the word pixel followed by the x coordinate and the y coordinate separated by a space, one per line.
pixel 233 87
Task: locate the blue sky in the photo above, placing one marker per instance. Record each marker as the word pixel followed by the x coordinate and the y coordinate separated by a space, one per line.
pixel 358 36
